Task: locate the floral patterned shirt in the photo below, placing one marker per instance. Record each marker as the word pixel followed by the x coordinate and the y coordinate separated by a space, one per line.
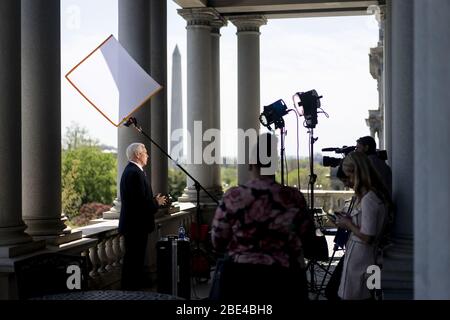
pixel 261 222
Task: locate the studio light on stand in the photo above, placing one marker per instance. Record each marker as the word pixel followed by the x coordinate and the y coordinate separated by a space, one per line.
pixel 308 104
pixel 273 114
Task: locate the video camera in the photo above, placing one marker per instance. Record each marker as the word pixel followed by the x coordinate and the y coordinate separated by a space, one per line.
pixel 334 162
pixel 382 154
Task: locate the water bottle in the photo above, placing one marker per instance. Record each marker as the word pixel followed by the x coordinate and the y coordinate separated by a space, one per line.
pixel 181 232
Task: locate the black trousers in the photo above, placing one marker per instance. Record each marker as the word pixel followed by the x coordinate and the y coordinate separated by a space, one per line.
pixel 133 261
pixel 252 282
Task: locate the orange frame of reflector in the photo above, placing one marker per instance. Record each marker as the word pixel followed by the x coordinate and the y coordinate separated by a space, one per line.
pixel 91 102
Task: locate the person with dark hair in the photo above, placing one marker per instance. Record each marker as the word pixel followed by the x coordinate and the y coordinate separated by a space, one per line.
pixel 263 227
pixel 366 223
pixel 368 146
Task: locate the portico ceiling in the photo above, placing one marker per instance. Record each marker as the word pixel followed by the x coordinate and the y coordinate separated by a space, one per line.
pixel 284 8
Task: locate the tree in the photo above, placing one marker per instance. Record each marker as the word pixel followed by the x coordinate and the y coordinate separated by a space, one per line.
pixel 177 182
pixel 96 172
pixel 228 176
pixel 323 181
pixel 76 137
pixel 70 198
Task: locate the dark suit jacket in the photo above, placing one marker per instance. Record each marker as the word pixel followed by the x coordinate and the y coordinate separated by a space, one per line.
pixel 137 213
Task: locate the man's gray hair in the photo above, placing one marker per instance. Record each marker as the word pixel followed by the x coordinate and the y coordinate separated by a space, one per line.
pixel 133 149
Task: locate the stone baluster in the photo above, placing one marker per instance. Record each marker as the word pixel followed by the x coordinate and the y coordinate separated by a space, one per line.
pixel 103 259
pixel 85 253
pixel 122 248
pixel 117 251
pixel 109 251
pixel 334 203
pixel 95 261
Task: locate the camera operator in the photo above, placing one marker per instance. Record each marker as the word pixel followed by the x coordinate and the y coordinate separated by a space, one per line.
pixel 368 146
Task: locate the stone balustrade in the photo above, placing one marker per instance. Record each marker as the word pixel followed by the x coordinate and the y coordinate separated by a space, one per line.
pixel 330 200
pixel 105 249
pixel 104 246
pixel 106 252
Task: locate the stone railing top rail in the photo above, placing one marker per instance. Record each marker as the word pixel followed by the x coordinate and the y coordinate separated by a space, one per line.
pixel 325 192
pixel 105 228
pixel 102 228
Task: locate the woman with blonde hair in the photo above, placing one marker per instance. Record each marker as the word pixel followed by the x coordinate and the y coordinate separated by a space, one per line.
pixel 367 223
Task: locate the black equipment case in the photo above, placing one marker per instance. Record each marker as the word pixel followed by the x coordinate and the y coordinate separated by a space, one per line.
pixel 173 266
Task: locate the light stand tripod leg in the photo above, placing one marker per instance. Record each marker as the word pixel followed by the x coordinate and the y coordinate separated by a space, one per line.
pixel 312 181
pixel 198 214
pixel 282 155
pixel 313 277
pixel 326 272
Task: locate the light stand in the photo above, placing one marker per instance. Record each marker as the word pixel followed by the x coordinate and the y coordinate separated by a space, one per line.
pixel 312 180
pixel 273 114
pixel 282 150
pixel 310 101
pixel 312 175
pixel 132 121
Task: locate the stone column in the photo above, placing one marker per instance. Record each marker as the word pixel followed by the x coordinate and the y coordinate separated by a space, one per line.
pixel 398 264
pixel 13 240
pixel 388 80
pixel 248 82
pixel 41 120
pixel 381 83
pixel 199 99
pixel 134 36
pixel 158 53
pixel 431 153
pixel 215 62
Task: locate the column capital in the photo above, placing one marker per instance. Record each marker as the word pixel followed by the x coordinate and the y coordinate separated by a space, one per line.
pixel 216 24
pixel 376 61
pixel 199 16
pixel 379 11
pixel 381 15
pixel 248 22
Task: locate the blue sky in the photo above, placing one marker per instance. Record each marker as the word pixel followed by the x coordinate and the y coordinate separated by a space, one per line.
pixel 326 54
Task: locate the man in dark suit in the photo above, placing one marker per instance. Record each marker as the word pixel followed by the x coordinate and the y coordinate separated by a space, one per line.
pixel 136 215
